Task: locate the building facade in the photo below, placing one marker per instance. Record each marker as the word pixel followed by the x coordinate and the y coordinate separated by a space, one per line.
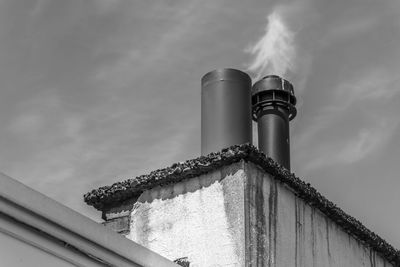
pixel 238 208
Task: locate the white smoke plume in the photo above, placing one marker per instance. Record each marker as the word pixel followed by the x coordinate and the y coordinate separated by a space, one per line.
pixel 275 51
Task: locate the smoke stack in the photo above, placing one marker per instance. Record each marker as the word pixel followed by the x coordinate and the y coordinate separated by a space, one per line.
pixel 273 107
pixel 225 109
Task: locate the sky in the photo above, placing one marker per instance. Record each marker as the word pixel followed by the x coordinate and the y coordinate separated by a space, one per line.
pixel 98 91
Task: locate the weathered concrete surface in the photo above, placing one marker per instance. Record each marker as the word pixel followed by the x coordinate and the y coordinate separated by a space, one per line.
pixel 239 215
pixel 201 219
pixel 282 230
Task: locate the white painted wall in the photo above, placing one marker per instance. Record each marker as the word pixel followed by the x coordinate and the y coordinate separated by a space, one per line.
pixel 194 219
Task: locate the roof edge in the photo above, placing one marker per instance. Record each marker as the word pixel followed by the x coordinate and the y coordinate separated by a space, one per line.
pixel 29 211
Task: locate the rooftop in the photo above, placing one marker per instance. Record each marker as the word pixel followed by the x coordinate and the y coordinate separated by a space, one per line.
pixel 109 196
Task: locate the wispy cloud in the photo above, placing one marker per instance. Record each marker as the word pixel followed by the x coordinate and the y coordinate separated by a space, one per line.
pixel 26 123
pixel 181 24
pixel 367 95
pixel 376 84
pixel 366 142
pixel 104 6
pixel 38 7
pixel 348 28
pixel 359 146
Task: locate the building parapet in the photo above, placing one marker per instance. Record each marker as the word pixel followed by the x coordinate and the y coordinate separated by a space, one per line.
pixel 107 197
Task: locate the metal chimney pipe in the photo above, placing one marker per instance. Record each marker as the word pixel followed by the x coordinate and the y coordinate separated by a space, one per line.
pixel 225 109
pixel 273 107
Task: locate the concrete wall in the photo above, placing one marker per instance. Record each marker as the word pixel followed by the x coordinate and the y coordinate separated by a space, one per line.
pixel 285 231
pixel 241 216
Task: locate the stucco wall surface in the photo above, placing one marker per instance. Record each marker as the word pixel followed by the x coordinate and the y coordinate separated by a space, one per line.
pixel 201 219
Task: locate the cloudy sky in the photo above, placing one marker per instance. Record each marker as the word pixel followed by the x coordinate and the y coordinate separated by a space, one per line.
pixel 97 91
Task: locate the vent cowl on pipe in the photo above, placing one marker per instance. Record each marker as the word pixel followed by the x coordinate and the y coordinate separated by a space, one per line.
pixel 225 110
pixel 273 106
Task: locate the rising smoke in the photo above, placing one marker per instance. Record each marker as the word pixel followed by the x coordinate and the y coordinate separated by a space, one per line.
pixel 274 52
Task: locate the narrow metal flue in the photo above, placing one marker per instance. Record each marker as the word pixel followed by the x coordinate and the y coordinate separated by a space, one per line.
pixel 225 109
pixel 273 104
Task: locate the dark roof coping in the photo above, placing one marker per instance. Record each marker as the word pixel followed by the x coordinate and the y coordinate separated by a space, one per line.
pixel 108 196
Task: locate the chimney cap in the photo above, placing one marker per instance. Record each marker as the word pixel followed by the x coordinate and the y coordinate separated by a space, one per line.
pixel 272 82
pixel 273 90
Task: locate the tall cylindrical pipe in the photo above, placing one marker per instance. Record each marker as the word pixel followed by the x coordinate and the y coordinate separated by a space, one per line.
pixel 225 109
pixel 274 103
